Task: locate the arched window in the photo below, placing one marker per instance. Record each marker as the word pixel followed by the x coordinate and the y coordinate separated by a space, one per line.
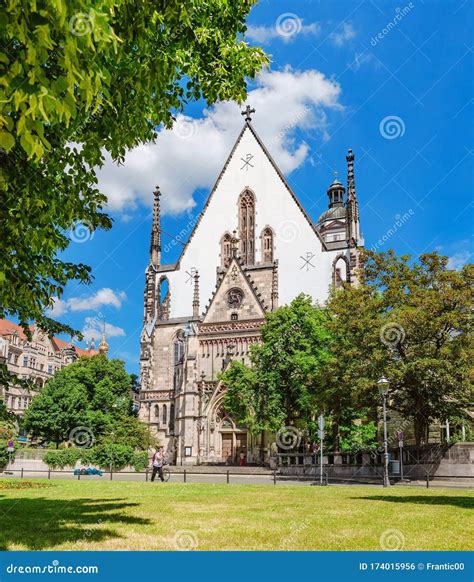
pixel 247 227
pixel 340 271
pixel 164 298
pixel 178 356
pixel 165 414
pixel 226 249
pixel 267 245
pixel 157 411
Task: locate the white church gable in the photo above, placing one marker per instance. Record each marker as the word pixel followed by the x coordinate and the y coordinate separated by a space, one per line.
pixel 303 266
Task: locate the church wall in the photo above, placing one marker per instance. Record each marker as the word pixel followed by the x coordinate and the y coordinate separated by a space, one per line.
pixel 295 241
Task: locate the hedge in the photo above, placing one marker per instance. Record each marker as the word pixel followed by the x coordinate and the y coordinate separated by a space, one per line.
pixel 102 456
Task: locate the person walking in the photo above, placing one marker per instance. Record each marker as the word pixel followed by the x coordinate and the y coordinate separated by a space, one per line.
pixel 157 462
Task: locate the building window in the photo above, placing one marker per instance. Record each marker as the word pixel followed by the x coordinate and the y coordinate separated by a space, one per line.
pixel 25 361
pixel 50 368
pixel 178 360
pixel 165 414
pixel 226 250
pixel 164 297
pixel 234 316
pixel 267 245
pixel 157 411
pixel 247 227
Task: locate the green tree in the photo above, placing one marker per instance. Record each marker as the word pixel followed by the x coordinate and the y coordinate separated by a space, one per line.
pixel 412 322
pixel 59 408
pixel 81 78
pixel 282 384
pixel 87 402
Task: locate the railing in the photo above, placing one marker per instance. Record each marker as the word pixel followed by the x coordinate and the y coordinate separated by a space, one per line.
pixel 49 473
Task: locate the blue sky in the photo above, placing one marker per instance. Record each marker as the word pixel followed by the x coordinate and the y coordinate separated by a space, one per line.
pixel 391 80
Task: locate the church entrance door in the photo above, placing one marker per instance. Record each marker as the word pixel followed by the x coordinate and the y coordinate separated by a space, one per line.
pixel 227 448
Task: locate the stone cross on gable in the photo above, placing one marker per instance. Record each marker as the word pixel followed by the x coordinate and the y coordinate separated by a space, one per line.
pixel 248 112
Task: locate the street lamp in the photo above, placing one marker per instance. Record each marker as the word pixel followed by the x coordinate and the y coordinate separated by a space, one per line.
pixel 383 385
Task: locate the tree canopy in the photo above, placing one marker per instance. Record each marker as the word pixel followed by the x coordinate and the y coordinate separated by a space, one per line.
pixel 280 387
pixel 411 321
pixel 85 403
pixel 80 78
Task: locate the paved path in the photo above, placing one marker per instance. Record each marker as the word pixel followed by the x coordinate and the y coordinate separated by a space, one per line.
pixel 220 477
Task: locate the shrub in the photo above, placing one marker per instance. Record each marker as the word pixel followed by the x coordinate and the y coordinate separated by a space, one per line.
pixel 119 456
pixel 4 456
pixel 62 458
pixel 139 461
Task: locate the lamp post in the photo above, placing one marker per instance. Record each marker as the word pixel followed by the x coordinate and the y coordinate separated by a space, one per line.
pixel 383 385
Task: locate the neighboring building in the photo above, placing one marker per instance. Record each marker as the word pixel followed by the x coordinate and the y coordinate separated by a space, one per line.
pixel 253 248
pixel 36 360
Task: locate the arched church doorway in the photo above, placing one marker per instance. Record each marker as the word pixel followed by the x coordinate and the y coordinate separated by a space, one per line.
pixel 233 441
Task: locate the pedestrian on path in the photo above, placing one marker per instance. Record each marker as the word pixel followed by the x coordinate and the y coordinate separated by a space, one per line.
pixel 157 463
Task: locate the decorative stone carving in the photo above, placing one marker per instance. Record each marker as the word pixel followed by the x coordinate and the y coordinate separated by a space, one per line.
pixel 234 298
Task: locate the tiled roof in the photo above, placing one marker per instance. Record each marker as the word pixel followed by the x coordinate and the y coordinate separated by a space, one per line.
pixel 7 327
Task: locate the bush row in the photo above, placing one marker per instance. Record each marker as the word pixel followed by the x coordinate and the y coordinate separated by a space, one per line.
pixel 102 456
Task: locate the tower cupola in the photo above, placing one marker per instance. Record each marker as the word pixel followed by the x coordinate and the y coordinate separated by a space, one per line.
pixel 336 193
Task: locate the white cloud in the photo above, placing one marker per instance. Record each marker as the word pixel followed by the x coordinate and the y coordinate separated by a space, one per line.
pixel 285 29
pixel 102 297
pixel 458 260
pixel 190 156
pixel 94 327
pixel 59 308
pixel 342 34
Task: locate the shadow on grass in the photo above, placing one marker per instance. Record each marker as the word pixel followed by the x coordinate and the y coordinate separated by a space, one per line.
pixel 465 502
pixel 41 523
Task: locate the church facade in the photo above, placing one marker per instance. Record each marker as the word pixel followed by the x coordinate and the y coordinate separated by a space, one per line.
pixel 253 248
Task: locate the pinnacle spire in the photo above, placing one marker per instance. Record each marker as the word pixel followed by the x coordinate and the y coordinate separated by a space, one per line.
pixel 353 226
pixel 155 245
pixel 350 173
pixel 196 295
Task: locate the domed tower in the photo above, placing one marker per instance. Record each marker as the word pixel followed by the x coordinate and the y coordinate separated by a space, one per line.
pixel 332 223
pixel 103 346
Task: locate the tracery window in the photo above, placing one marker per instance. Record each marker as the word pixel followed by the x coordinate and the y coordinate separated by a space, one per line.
pixel 247 227
pixel 165 414
pixel 267 245
pixel 226 250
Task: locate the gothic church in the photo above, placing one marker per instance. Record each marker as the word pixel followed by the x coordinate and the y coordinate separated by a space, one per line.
pixel 253 248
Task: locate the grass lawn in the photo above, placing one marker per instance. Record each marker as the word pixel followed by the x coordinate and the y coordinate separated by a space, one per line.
pixel 94 515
